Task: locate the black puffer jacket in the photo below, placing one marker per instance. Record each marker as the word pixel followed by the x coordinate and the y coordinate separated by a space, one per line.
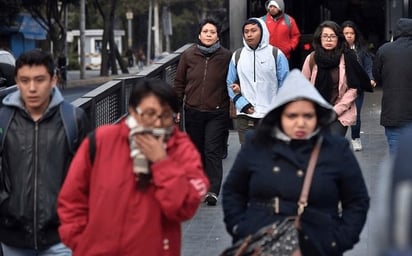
pixel 35 159
pixel 392 70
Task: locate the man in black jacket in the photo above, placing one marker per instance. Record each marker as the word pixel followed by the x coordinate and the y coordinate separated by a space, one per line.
pixel 392 69
pixel 36 151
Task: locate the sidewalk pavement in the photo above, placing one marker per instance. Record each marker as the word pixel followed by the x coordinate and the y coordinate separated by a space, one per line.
pixel 93 77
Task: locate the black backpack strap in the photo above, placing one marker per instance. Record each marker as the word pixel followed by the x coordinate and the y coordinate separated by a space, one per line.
pixel 92 145
pixel 68 115
pixel 275 54
pixel 6 115
pixel 237 55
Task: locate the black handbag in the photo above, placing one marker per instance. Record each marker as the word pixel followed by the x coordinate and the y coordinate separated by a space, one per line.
pixel 279 238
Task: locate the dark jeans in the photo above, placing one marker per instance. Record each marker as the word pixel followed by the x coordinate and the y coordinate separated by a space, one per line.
pixel 355 129
pixel 207 131
pixel 392 134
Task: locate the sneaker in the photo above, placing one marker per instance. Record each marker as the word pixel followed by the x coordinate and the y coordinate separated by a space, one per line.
pixel 211 199
pixel 357 144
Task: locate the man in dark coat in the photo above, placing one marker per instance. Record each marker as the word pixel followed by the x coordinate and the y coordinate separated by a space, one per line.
pixel 392 70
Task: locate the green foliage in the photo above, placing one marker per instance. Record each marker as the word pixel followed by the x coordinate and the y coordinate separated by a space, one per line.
pixel 74 62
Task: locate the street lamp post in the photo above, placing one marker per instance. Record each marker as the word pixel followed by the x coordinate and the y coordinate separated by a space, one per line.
pixel 129 17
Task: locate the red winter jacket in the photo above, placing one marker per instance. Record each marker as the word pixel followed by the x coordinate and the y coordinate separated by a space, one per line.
pixel 282 35
pixel 102 212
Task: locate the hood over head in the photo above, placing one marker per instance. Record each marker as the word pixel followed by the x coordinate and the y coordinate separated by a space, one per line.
pixel 297 87
pixel 403 28
pixel 277 3
pixel 14 99
pixel 264 39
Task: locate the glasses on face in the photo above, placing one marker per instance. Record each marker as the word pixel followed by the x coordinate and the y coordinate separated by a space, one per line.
pixel 150 116
pixel 326 37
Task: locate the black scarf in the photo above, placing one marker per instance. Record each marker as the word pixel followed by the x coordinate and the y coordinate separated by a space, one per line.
pixel 326 61
pixel 355 73
pixel 329 60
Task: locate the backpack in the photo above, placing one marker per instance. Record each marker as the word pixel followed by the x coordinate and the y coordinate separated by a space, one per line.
pixel 287 20
pixel 238 51
pixel 92 145
pixel 67 113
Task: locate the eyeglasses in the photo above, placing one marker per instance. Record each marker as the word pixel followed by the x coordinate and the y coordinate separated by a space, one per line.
pixel 150 116
pixel 329 37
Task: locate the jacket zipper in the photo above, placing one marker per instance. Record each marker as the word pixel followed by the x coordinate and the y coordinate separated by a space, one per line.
pixel 204 79
pixel 254 66
pixel 36 140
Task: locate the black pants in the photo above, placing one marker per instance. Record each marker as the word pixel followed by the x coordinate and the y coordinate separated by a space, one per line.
pixel 207 131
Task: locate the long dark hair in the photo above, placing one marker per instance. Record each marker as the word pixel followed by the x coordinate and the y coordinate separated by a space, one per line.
pixel 316 43
pixel 359 42
pixel 166 95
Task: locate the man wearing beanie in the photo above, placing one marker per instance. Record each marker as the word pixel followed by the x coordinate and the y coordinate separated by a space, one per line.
pixel 283 30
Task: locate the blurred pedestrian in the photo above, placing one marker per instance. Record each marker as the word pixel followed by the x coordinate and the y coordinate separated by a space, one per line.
pixel 256 72
pixel 40 132
pixel 129 55
pixel 144 169
pixel 392 70
pixel 355 41
pixel 327 69
pixel 141 58
pixel 283 29
pixel 201 81
pixel 264 184
pixel 392 203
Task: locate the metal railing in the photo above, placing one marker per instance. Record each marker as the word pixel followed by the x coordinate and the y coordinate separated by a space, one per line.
pixel 108 103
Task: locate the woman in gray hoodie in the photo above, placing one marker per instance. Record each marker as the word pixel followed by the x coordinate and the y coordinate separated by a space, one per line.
pixel 265 181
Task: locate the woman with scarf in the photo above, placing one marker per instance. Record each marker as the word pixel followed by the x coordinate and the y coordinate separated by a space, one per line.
pixel 201 81
pixel 144 178
pixel 334 71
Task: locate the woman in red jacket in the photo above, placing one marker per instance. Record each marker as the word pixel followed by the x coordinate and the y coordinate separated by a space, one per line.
pixel 144 178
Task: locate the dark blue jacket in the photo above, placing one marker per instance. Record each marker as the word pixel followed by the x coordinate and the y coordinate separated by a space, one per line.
pixel 261 173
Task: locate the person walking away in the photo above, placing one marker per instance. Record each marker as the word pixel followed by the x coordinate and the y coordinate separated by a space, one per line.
pixel 256 72
pixel 333 69
pixel 264 184
pixel 392 70
pixel 201 80
pixel 355 41
pixel 39 138
pixel 283 30
pixel 143 167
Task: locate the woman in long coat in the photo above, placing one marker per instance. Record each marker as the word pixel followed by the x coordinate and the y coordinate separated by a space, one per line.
pixel 265 181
